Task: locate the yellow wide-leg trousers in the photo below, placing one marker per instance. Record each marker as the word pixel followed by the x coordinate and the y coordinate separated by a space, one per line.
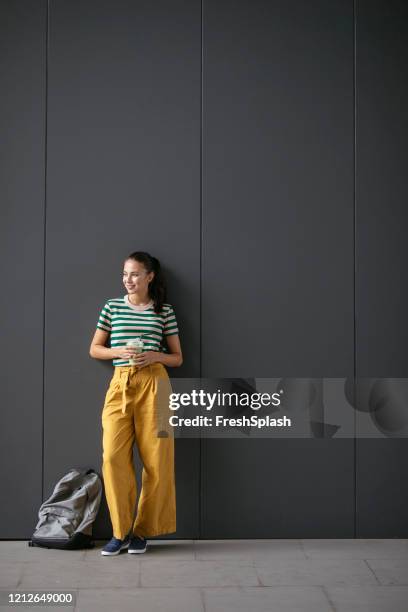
pixel 137 409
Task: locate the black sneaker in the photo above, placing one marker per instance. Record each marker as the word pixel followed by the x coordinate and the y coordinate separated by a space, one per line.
pixel 114 546
pixel 137 545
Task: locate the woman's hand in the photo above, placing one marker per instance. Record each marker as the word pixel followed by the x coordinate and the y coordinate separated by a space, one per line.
pixel 145 358
pixel 125 352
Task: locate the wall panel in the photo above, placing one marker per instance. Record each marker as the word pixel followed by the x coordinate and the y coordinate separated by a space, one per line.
pixel 22 175
pixel 123 175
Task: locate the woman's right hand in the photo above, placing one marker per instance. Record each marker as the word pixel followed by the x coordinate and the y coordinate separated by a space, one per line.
pixel 124 352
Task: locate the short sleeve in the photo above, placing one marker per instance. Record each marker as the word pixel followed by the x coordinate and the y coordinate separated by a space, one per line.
pixel 105 318
pixel 170 324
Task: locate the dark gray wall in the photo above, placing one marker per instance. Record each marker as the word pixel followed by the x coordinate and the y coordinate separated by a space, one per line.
pixel 22 179
pixel 278 251
pixel 381 251
pixel 226 147
pixel 123 175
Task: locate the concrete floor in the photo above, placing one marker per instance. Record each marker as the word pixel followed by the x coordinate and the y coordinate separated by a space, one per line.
pixel 218 576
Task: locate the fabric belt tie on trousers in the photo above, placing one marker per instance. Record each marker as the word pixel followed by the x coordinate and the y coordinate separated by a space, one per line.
pixel 126 379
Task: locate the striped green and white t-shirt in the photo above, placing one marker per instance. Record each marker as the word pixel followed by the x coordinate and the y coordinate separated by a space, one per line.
pixel 124 321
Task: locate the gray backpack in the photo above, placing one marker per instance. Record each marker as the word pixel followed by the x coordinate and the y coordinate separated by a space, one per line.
pixel 66 517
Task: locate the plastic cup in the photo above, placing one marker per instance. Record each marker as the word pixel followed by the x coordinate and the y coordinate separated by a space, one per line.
pixel 137 344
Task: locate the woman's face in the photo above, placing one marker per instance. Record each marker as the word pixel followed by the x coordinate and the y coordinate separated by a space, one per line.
pixel 135 277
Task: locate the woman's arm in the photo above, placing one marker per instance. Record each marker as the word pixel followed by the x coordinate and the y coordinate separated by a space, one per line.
pixel 98 350
pixel 175 358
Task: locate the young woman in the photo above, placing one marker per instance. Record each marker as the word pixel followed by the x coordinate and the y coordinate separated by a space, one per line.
pixel 136 405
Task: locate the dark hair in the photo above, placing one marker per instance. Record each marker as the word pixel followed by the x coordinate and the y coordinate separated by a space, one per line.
pixel 157 287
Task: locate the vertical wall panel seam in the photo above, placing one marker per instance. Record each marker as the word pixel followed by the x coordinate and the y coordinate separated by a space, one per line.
pixel 45 233
pixel 355 258
pixel 201 249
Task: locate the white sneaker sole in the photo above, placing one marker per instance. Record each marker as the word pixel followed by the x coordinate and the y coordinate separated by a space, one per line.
pixel 132 552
